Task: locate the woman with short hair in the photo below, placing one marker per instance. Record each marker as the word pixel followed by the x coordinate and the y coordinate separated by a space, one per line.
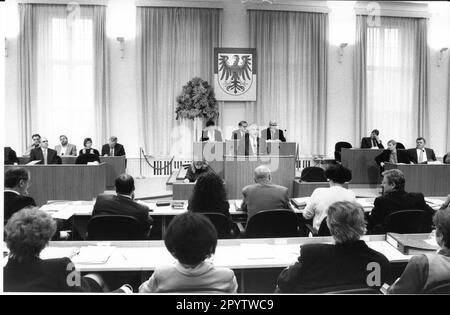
pixel 349 263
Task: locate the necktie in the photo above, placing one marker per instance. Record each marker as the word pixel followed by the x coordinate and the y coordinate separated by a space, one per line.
pixel 254 147
pixel 45 157
pixel 374 143
pixel 111 152
pixel 421 156
pixel 272 135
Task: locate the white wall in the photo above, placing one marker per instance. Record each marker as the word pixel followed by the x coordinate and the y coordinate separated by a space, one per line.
pixel 124 116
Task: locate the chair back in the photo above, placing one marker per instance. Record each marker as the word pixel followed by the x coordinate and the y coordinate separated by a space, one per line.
pixel 442 287
pixel 446 159
pixel 338 148
pixel 313 174
pixel 323 229
pixel 114 228
pixel 400 146
pixel 409 221
pixel 222 224
pixel 272 223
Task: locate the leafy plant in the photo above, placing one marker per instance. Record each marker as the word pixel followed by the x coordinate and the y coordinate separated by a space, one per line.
pixel 197 100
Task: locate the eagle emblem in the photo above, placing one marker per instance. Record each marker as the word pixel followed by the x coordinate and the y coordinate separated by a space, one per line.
pixel 235 73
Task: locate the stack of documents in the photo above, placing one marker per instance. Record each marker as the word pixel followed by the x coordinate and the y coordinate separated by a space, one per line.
pixel 94 254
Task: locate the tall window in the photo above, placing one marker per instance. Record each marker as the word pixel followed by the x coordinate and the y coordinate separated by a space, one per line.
pixel 390 79
pixel 64 74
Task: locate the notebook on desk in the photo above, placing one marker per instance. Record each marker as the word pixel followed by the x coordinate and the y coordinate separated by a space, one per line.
pixel 411 244
pixel 300 202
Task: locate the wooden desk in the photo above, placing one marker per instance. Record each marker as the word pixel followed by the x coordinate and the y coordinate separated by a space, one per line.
pixel 67 159
pixel 115 165
pixel 281 148
pixel 65 182
pixel 362 164
pixel 239 172
pixel 256 262
pixel 429 179
pixel 211 152
pixel 305 189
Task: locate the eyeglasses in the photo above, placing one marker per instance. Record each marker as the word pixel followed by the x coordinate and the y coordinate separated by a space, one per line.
pixel 44 140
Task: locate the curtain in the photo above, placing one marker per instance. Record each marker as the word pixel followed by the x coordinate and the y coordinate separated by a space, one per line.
pixel 391 78
pixel 292 65
pixel 174 45
pixel 63 74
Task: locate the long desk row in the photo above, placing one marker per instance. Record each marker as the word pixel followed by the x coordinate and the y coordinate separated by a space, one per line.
pixel 256 262
pixel 70 181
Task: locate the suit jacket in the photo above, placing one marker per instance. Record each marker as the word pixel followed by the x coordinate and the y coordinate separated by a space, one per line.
pixel 217 136
pixel 120 205
pixel 392 202
pixel 402 157
pixel 259 197
pixel 14 202
pixel 236 135
pixel 244 147
pixel 366 143
pixel 412 153
pixel 119 150
pixel 70 150
pixel 266 135
pixel 52 156
pixel 10 156
pixel 322 266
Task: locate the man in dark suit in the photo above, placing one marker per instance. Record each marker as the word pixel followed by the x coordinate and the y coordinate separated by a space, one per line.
pixel 10 156
pixel 211 133
pixel 272 133
pixel 421 155
pixel 263 195
pixel 252 144
pixel 240 133
pixel 394 199
pixel 36 143
pixel 123 203
pixel 113 148
pixel 349 263
pixel 373 141
pixel 392 155
pixel 44 154
pixel 17 181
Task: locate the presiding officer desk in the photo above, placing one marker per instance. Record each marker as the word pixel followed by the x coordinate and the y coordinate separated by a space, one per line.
pixel 256 262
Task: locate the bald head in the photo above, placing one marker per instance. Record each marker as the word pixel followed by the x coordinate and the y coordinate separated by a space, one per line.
pixel 262 174
pixel 124 184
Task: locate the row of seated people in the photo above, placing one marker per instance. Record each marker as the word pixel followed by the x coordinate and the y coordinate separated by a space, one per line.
pixel 40 151
pixel 209 195
pixel 192 239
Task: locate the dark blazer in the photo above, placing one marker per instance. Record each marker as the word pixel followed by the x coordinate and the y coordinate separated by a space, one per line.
pixel 39 275
pixel 91 155
pixel 10 156
pixel 259 197
pixel 14 202
pixel 402 157
pixel 322 266
pixel 119 150
pixel 266 135
pixel 236 135
pixel 120 205
pixel 412 153
pixel 366 143
pixel 217 136
pixel 392 202
pixel 245 149
pixel 52 156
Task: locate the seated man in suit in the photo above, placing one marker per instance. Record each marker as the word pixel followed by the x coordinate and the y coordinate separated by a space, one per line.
pixel 65 148
pixel 17 182
pixel 44 155
pixel 10 156
pixel 392 155
pixel 251 144
pixel 263 195
pixel 272 133
pixel 239 133
pixel 372 142
pixel 123 203
pixel 394 199
pixel 348 263
pixel 210 133
pixel 36 144
pixel 421 155
pixel 113 148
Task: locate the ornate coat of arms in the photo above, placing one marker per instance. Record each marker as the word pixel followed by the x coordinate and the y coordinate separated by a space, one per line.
pixel 235 74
